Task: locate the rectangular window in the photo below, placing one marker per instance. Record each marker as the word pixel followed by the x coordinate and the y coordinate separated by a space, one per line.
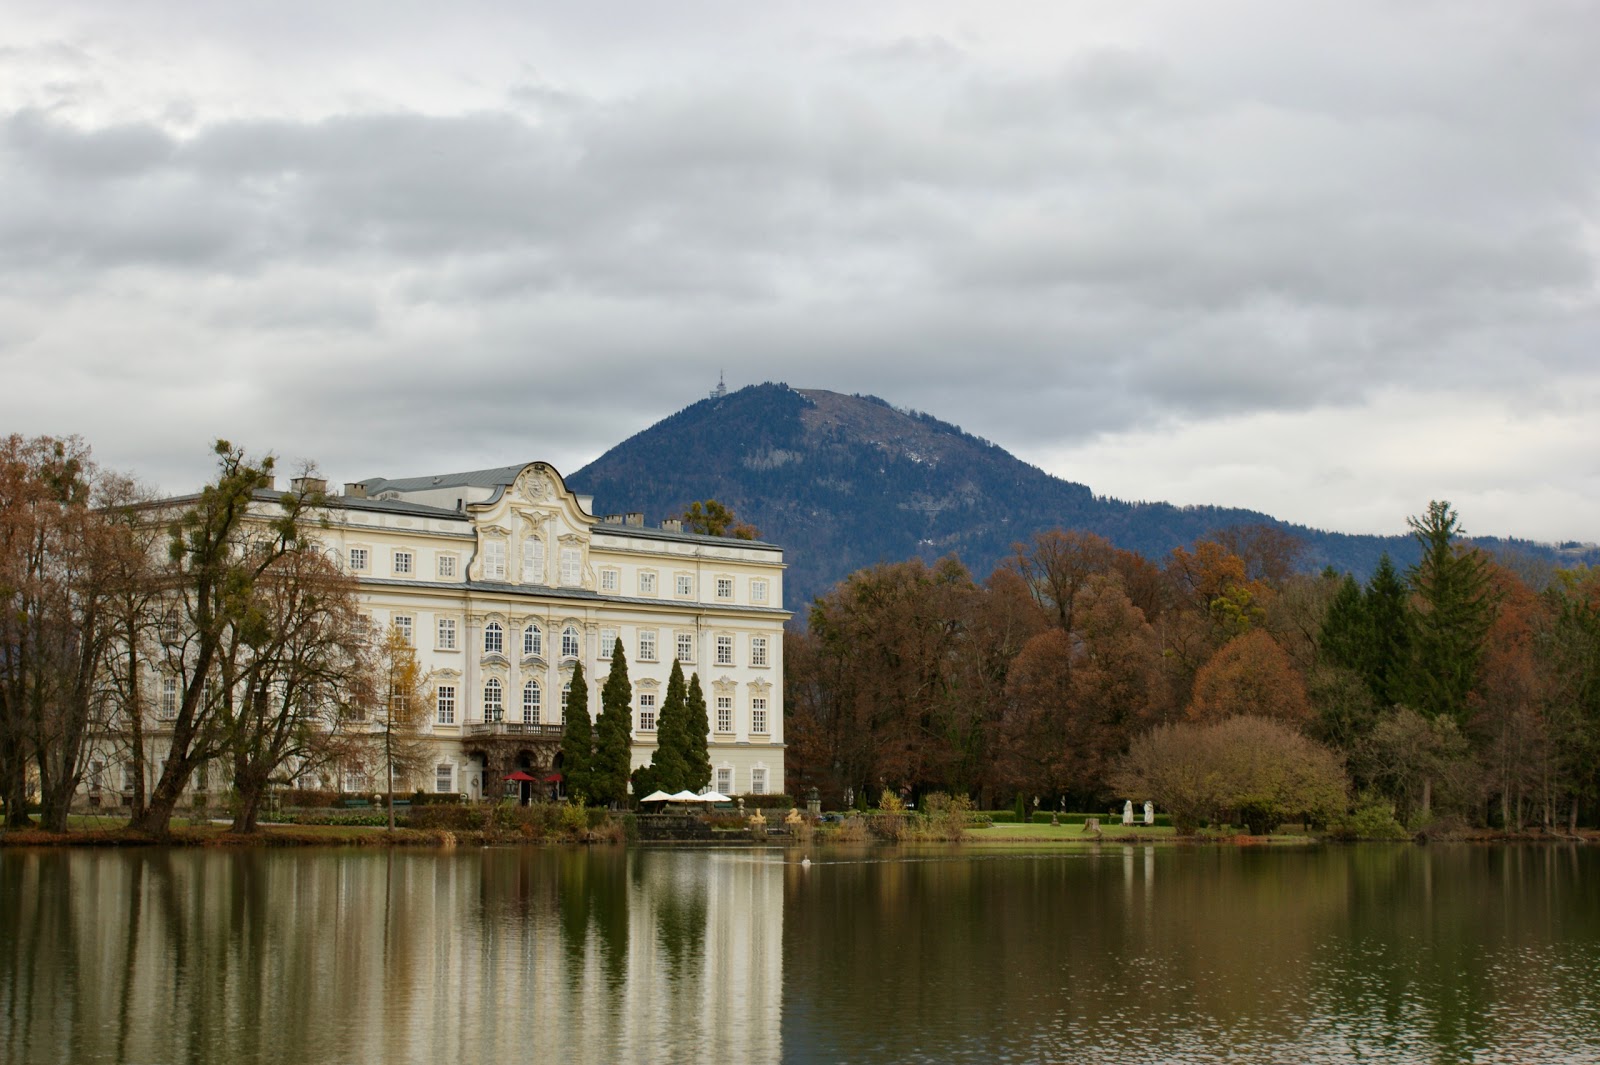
pixel 171 625
pixel 444 778
pixel 724 650
pixel 402 625
pixel 686 647
pixel 647 712
pixel 758 591
pixel 647 645
pixel 169 698
pixel 608 640
pixel 445 700
pixel 358 559
pixel 494 560
pixel 447 567
pixel 533 560
pixel 610 580
pixel 758 650
pixel 647 584
pixel 447 634
pixel 685 584
pixel 725 780
pixel 758 781
pixel 724 716
pixel 724 587
pixel 758 716
pixel 571 566
pixel 402 563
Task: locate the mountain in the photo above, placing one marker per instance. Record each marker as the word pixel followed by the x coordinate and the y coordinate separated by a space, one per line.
pixel 843 482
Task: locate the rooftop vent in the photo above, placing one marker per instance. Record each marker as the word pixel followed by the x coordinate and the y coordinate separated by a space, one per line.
pixel 673 525
pixel 308 485
pixel 634 518
pixel 612 519
pixel 355 489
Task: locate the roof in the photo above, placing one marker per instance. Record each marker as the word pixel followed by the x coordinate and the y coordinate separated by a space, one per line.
pixel 498 477
pixel 653 533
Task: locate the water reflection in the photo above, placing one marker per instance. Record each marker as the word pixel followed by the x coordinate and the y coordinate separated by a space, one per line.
pixel 1137 954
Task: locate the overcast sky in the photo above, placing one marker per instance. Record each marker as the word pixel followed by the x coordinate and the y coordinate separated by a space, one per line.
pixel 1327 261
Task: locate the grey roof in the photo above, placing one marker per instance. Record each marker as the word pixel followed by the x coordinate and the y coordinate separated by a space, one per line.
pixel 654 533
pixel 498 477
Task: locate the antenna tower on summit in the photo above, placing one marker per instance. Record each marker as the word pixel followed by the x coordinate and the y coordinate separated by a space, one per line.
pixel 721 389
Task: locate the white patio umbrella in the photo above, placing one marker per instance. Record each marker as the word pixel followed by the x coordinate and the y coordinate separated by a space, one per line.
pixel 714 796
pixel 684 796
pixel 657 796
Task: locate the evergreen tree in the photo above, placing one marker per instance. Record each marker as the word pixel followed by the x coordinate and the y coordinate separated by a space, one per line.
pixel 1387 605
pixel 669 765
pixel 1453 610
pixel 697 737
pixel 577 739
pixel 613 734
pixel 1369 632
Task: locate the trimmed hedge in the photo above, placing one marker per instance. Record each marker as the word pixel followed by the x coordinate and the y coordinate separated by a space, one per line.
pixel 1042 817
pixel 765 802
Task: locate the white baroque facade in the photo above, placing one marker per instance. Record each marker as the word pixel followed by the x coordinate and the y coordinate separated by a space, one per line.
pixel 504 581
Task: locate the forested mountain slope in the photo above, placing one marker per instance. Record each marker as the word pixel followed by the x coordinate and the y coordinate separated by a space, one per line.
pixel 842 482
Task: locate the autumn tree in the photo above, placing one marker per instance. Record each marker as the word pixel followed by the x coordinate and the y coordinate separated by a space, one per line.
pixel 1252 675
pixel 1056 565
pixel 1256 770
pixel 57 547
pixel 711 518
pixel 293 675
pixel 401 712
pixel 613 735
pixel 1424 764
pixel 218 551
pixel 577 738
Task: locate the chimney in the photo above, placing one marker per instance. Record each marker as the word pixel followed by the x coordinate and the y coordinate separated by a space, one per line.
pixel 308 485
pixel 355 489
pixel 634 518
pixel 672 525
pixel 612 519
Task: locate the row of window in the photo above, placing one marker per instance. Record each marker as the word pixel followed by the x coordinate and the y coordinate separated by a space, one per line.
pixel 494 642
pixel 494 707
pixel 403 563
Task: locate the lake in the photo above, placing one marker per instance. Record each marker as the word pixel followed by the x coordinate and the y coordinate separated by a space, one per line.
pixel 1397 953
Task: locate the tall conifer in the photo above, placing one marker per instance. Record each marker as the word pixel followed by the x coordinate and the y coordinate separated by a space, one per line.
pixel 1454 607
pixel 613 734
pixel 577 738
pixel 697 737
pixel 670 767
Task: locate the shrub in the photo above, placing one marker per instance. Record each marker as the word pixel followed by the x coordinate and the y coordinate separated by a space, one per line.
pixel 308 798
pixel 1373 818
pixel 766 802
pixel 456 818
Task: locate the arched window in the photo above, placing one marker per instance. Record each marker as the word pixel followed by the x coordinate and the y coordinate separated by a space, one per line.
pixel 493 700
pixel 532 640
pixel 494 640
pixel 532 702
pixel 533 560
pixel 569 642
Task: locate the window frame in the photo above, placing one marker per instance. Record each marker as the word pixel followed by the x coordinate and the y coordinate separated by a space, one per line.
pixel 494 638
pixel 445 635
pixel 724 653
pixel 403 562
pixel 444 704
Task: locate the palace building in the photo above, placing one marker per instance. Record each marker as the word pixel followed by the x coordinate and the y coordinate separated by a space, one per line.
pixel 503 580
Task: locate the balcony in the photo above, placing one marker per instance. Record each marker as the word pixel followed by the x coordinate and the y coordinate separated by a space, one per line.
pixel 513 728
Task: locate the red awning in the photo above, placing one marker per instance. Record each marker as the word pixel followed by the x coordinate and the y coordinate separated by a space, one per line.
pixel 553 778
pixel 520 775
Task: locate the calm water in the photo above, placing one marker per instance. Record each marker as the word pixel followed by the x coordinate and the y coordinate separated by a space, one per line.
pixel 1135 954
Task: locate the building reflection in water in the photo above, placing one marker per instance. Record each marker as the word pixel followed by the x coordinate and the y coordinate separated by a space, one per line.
pixel 498 954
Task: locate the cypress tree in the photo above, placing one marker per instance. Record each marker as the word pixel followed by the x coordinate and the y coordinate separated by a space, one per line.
pixel 613 734
pixel 670 767
pixel 577 738
pixel 697 737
